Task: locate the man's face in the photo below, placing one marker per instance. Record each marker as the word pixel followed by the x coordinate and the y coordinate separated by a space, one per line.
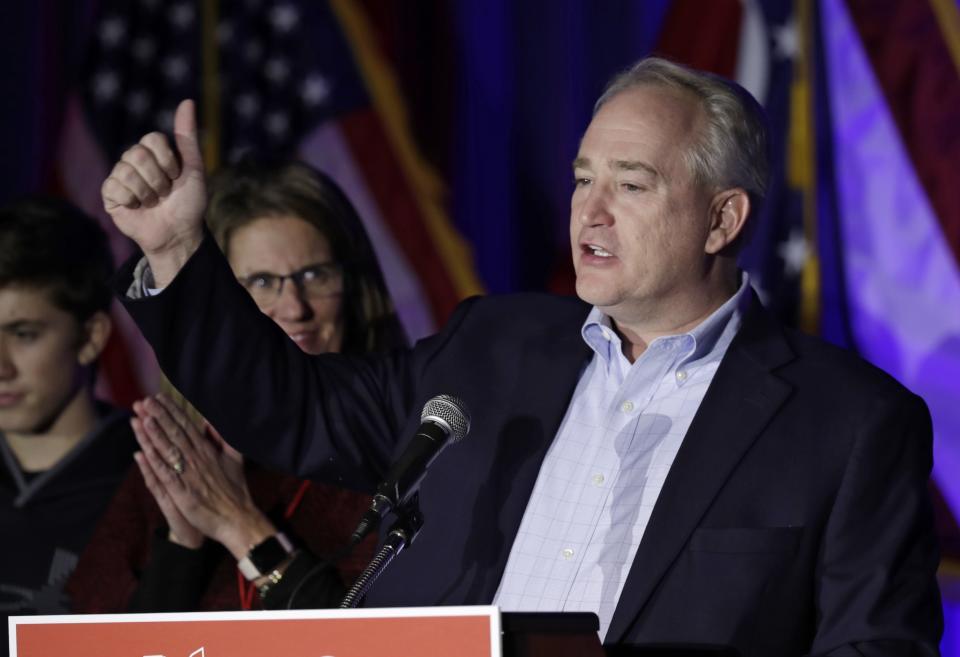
pixel 638 220
pixel 40 372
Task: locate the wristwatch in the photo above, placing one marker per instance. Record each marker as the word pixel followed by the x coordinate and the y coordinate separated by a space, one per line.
pixel 264 557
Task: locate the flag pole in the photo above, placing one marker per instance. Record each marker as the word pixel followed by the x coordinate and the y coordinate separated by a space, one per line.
pixel 211 86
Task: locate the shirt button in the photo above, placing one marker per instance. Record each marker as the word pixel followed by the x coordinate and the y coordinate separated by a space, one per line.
pixel 597 479
pixel 567 553
pixel 606 333
pixel 626 406
pixel 682 375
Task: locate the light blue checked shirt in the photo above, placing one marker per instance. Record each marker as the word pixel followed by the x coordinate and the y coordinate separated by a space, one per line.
pixel 605 469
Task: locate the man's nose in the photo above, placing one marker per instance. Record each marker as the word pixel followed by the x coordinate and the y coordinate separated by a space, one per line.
pixel 595 210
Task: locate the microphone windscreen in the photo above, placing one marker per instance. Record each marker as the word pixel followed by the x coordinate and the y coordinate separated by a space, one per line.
pixel 449 411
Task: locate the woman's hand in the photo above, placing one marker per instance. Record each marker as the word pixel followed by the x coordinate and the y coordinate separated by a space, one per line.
pixel 198 477
pixel 156 195
pixel 181 531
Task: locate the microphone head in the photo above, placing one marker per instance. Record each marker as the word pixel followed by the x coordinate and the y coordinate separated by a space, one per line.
pixel 449 412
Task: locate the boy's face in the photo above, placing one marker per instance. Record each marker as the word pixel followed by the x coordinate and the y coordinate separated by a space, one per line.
pixel 41 349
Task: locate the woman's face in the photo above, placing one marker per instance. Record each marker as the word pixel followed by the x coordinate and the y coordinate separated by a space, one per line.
pixel 289 270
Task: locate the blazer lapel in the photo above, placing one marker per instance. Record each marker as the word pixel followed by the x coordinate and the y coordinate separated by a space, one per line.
pixel 739 403
pixel 548 371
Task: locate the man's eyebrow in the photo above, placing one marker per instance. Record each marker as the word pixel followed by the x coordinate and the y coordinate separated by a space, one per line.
pixel 634 165
pixel 620 165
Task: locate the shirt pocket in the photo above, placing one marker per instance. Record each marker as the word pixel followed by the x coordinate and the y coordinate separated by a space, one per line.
pixel 746 540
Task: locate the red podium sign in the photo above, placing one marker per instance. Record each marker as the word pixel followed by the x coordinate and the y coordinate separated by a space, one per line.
pixel 401 632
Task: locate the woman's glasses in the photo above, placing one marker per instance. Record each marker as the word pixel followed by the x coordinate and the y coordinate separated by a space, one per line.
pixel 314 281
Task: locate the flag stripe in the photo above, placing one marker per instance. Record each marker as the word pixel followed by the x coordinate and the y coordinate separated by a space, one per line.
pixel 115 370
pixel 948 17
pixel 449 246
pixel 903 281
pixel 801 174
pixel 327 149
pixel 834 314
pixel 916 72
pixel 128 367
pixel 702 34
pixel 365 135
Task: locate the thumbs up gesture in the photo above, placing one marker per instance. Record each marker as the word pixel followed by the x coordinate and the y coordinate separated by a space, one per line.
pixel 157 199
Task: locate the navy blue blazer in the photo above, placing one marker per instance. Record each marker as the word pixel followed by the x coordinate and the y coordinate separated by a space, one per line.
pixel 794 520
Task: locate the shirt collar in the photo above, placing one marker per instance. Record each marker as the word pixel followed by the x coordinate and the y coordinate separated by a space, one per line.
pixel 598 332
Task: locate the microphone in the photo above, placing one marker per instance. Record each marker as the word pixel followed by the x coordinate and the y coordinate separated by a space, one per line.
pixel 444 420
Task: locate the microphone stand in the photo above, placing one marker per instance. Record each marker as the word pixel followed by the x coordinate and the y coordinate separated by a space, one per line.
pixel 401 535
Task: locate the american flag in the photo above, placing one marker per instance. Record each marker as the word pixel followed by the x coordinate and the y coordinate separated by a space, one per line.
pixel 282 78
pixel 277 70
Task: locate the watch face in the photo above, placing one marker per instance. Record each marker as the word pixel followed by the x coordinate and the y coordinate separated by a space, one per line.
pixel 268 555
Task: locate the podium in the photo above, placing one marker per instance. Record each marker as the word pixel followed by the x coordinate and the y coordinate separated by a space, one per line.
pixel 480 631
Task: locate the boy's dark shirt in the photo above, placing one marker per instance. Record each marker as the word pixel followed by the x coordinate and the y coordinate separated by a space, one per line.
pixel 46 518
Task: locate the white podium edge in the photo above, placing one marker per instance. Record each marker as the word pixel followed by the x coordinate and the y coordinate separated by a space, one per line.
pixel 489 611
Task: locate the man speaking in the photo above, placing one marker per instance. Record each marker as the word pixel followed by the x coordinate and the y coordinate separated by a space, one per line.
pixel 661 452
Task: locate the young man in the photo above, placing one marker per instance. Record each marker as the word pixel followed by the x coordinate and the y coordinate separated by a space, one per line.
pixel 62 453
pixel 665 454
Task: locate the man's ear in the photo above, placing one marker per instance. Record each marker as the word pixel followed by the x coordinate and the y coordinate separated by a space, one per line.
pixel 96 331
pixel 729 210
